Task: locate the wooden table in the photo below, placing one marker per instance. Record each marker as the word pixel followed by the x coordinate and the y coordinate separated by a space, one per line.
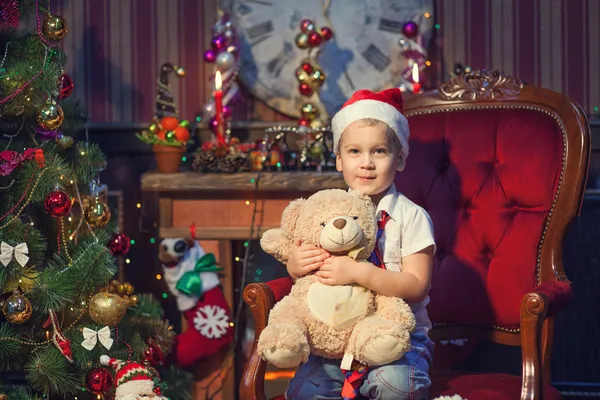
pixel 228 207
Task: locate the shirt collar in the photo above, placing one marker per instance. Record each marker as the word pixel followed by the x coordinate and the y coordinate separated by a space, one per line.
pixel 388 202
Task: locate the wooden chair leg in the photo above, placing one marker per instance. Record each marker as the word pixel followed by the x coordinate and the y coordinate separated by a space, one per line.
pixel 260 299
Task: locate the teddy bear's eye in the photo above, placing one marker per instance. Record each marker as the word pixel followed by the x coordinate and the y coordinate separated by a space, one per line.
pixel 355 218
pixel 323 223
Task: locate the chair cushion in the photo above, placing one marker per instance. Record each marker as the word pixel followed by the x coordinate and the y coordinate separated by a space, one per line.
pixel 482 386
pixel 488 178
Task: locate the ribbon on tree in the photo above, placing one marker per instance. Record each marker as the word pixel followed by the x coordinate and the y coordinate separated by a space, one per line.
pixel 20 253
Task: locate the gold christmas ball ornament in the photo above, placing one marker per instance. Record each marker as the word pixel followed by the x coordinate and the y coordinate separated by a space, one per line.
pixel 50 116
pixel 309 111
pixel 133 300
pixel 128 288
pixel 64 142
pixel 107 308
pixel 54 27
pixel 302 41
pixel 318 77
pixel 17 308
pixel 95 212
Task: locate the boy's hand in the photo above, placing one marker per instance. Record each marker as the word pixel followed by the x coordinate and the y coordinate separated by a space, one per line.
pixel 305 258
pixel 340 270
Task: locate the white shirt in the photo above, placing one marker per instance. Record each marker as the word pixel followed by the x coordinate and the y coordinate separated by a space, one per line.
pixel 408 231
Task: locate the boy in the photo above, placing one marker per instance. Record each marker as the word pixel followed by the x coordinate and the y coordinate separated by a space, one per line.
pixel 371 143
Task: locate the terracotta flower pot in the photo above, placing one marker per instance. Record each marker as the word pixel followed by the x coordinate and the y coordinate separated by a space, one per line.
pixel 168 158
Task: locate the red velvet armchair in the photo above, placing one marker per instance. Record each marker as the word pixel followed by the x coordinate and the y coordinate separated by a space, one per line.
pixel 501 168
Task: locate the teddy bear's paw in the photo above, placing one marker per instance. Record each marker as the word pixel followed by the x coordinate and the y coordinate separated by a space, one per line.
pixel 383 350
pixel 381 342
pixel 283 345
pixel 286 358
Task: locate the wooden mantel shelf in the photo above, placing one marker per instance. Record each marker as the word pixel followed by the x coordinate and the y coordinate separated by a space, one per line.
pixel 246 181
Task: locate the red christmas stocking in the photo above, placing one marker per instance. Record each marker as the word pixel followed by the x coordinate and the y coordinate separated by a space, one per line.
pixel 210 328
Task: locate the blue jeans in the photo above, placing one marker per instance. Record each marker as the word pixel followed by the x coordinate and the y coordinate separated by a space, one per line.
pixel 405 379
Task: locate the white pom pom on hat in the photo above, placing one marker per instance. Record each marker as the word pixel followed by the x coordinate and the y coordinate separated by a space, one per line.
pixel 386 106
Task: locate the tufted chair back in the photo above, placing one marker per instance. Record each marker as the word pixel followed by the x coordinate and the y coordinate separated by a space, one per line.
pixel 490 168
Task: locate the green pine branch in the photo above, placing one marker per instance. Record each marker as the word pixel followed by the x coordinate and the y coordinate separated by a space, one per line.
pixel 49 372
pixel 8 348
pixel 181 383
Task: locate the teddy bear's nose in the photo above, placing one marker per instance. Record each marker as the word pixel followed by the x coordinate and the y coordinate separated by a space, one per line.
pixel 339 223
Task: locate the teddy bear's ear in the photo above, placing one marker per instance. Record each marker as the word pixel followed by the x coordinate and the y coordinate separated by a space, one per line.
pixel 275 243
pixel 290 215
pixel 363 197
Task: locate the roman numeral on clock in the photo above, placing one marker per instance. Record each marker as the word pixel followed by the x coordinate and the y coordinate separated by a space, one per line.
pixel 259 30
pixel 389 25
pixel 376 57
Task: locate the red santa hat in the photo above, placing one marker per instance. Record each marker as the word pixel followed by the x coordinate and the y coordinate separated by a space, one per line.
pixel 386 106
pixel 131 379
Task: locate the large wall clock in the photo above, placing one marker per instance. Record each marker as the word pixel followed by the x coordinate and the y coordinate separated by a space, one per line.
pixel 364 54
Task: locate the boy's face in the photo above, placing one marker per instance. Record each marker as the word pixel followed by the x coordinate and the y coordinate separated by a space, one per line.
pixel 367 159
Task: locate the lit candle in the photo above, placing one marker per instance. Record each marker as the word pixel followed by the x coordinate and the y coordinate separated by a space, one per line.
pixel 415 76
pixel 219 108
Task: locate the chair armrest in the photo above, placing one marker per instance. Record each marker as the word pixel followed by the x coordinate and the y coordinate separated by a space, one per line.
pixel 536 306
pixel 260 297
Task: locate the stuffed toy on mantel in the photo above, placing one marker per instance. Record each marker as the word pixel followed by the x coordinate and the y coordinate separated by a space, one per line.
pixel 347 322
pixel 192 276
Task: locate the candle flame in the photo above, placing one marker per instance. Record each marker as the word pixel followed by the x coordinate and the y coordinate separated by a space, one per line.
pixel 218 81
pixel 415 73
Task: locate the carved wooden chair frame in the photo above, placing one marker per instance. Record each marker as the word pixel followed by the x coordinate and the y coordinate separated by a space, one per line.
pixel 485 89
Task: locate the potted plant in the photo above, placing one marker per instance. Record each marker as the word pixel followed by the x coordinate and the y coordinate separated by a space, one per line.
pixel 168 137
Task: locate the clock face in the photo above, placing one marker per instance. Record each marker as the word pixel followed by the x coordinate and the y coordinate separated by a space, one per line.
pixel 364 53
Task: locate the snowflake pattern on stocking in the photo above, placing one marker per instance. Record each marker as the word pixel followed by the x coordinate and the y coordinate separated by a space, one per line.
pixel 211 321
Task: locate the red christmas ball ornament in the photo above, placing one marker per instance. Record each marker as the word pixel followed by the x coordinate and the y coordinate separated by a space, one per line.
pixel 218 43
pixel 119 244
pixel 410 29
pixel 303 122
pixel 307 26
pixel 326 33
pixel 153 355
pixel 99 380
pixel 308 68
pixel 305 89
pixel 314 39
pixel 57 203
pixel 65 86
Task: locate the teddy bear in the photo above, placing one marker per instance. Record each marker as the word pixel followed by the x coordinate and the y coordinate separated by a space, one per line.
pixel 192 276
pixel 347 322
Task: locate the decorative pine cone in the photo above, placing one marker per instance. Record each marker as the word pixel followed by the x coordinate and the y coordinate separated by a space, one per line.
pixel 205 162
pixel 232 163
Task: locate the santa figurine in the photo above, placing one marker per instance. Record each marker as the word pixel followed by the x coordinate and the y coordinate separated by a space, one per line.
pixel 192 276
pixel 133 381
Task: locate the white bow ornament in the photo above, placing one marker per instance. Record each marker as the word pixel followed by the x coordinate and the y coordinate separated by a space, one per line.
pixel 20 252
pixel 91 337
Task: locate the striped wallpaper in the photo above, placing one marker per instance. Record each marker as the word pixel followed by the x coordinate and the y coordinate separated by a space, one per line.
pixel 117 46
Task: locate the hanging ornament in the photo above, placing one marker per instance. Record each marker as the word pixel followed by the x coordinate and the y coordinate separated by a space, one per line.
pixel 3 396
pixel 17 308
pixel 302 41
pixel 50 116
pixel 58 203
pixel 307 26
pixel 326 33
pixel 54 27
pixel 119 244
pixel 99 380
pixel 95 212
pixel 305 89
pixel 410 29
pixel 64 142
pixel 65 86
pixel 153 354
pixel 309 111
pixel 107 308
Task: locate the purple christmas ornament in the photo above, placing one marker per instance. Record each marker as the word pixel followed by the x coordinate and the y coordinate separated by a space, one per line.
pixel 410 29
pixel 47 135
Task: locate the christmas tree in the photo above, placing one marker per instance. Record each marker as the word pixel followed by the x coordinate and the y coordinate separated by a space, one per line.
pixel 61 309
